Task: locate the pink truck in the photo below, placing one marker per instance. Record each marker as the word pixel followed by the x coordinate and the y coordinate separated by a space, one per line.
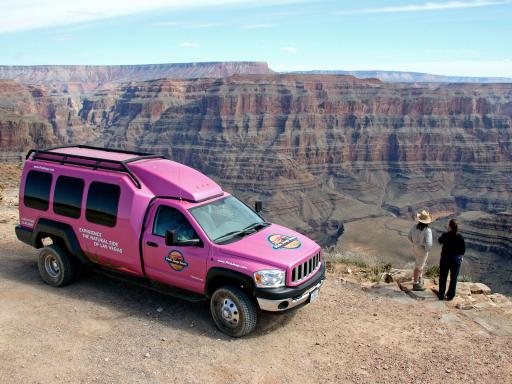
pixel 158 223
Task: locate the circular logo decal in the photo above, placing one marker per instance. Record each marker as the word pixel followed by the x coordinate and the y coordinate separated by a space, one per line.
pixel 176 260
pixel 284 242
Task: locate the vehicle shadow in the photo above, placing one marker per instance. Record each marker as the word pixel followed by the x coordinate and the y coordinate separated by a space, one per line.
pixel 19 264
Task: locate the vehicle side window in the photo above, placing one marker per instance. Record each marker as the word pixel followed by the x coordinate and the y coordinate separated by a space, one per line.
pixel 170 219
pixel 67 198
pixel 37 190
pixel 102 203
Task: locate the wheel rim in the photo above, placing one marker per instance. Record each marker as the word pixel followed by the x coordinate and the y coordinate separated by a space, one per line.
pixel 52 267
pixel 228 312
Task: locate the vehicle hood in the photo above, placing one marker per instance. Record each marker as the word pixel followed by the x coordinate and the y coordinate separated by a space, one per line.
pixel 274 245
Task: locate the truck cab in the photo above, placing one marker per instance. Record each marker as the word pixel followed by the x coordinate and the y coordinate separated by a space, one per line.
pixel 160 223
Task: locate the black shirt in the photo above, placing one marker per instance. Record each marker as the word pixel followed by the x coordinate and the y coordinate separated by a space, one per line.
pixel 453 244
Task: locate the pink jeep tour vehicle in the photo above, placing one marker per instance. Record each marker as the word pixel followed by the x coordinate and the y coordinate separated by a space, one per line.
pixel 161 224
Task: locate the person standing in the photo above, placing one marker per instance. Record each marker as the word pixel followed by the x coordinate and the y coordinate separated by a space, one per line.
pixel 454 248
pixel 420 236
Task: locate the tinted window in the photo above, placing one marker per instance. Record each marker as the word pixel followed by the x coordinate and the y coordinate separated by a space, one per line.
pixel 102 203
pixel 67 198
pixel 37 190
pixel 170 219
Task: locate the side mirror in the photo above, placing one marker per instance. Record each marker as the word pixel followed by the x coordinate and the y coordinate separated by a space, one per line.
pixel 170 238
pixel 170 241
pixel 188 243
pixel 258 206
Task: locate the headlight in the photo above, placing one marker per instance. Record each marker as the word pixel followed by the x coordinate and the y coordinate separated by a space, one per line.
pixel 269 278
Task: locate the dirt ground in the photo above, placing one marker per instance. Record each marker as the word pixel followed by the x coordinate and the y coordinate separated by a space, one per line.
pixel 102 331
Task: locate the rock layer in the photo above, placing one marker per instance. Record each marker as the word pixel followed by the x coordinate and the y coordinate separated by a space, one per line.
pixel 319 150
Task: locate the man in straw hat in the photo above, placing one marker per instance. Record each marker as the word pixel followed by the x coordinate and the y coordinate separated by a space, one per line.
pixel 420 236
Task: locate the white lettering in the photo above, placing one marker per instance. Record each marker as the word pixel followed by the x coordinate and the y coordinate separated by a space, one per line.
pixel 232 264
pixel 43 168
pixel 99 242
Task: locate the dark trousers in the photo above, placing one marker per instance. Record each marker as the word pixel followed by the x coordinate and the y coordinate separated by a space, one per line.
pixel 449 264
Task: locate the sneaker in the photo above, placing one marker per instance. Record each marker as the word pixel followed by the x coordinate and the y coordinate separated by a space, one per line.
pixel 418 287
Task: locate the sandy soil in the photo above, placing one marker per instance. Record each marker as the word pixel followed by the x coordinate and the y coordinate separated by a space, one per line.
pixel 103 331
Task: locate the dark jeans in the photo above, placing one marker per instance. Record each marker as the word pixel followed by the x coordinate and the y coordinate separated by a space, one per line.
pixel 449 264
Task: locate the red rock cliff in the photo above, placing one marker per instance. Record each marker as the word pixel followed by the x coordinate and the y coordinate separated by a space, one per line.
pixel 318 149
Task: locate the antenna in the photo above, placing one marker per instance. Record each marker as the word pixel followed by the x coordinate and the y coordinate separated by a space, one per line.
pixel 179 179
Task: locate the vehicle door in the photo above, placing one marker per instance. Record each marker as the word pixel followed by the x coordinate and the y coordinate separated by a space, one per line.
pixel 183 263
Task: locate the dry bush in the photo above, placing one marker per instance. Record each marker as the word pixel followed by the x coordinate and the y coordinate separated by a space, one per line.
pixel 432 271
pixel 373 267
pixel 464 278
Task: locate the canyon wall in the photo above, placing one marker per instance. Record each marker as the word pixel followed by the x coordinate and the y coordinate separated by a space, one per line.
pixel 319 150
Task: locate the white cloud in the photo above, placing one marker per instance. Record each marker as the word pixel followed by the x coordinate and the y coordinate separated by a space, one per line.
pixel 289 49
pixel 426 7
pixel 256 26
pixel 31 14
pixel 188 44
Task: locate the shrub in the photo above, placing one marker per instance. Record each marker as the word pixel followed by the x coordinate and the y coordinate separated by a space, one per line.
pixel 464 279
pixel 432 271
pixel 373 267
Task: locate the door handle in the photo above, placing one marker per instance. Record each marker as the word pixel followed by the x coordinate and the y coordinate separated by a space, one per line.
pixel 152 244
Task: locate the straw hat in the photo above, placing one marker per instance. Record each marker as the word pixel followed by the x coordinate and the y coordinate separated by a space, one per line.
pixel 424 217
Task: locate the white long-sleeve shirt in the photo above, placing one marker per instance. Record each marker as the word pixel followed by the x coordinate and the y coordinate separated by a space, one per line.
pixel 421 238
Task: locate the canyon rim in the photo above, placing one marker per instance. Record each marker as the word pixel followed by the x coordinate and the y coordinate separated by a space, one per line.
pixel 345 160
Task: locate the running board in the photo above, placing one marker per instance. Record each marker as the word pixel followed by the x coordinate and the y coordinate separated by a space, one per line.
pixel 156 286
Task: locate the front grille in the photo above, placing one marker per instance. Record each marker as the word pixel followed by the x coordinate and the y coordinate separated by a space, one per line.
pixel 302 271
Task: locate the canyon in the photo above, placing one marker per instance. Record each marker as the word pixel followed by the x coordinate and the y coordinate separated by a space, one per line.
pixel 326 154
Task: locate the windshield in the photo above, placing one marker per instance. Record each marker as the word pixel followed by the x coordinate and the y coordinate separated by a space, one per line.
pixel 226 218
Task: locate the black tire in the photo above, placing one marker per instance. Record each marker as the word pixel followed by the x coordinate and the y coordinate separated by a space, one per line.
pixel 55 266
pixel 239 306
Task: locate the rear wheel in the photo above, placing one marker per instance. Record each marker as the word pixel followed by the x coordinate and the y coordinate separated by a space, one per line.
pixel 233 311
pixel 55 266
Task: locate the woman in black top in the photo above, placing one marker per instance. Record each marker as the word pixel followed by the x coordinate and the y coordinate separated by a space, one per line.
pixel 452 252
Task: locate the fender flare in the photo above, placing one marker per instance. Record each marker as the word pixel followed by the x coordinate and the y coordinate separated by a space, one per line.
pixel 64 232
pixel 218 272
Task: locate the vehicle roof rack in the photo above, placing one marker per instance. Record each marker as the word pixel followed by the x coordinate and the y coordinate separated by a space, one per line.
pixel 98 163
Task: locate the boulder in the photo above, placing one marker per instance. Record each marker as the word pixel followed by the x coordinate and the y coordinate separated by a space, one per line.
pixel 464 289
pixel 479 288
pixel 500 299
pixel 401 275
pixel 464 302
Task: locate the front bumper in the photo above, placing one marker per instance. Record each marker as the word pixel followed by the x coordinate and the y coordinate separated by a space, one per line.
pixel 283 299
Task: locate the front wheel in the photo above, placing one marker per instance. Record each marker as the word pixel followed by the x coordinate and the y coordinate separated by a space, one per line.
pixel 233 311
pixel 55 266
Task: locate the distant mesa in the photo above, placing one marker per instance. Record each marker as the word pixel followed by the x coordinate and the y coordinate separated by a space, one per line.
pixel 82 78
pixel 93 76
pixel 409 77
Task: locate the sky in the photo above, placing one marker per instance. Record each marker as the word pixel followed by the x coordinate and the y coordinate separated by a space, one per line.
pixel 463 38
